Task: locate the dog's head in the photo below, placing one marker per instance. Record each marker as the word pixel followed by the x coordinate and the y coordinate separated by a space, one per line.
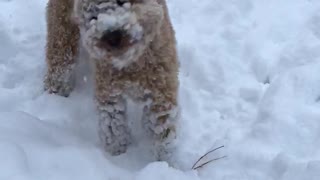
pixel 117 30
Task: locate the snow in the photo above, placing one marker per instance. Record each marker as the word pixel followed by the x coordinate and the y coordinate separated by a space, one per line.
pixel 250 81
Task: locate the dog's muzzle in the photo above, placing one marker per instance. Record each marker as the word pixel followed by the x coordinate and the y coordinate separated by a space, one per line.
pixel 117 32
pixel 110 28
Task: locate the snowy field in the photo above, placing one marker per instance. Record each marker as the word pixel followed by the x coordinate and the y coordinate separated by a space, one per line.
pixel 250 80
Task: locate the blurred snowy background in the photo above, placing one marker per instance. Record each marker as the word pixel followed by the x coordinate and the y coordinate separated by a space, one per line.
pixel 250 80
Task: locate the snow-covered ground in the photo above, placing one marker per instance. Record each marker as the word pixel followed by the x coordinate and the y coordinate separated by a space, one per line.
pixel 250 80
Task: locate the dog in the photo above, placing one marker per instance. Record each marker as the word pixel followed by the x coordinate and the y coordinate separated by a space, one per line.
pixel 133 48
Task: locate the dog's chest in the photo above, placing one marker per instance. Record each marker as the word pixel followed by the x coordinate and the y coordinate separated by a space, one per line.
pixel 134 81
pixel 136 92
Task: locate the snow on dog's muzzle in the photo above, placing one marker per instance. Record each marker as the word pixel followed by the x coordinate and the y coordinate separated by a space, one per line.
pixel 111 26
pixel 117 31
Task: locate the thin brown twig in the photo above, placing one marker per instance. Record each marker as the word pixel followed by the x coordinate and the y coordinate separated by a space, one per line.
pixel 206 155
pixel 216 159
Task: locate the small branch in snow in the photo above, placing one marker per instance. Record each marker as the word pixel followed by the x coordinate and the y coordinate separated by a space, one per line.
pixel 216 159
pixel 194 167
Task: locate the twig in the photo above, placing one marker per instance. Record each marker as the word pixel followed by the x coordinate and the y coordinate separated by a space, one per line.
pixel 206 155
pixel 216 159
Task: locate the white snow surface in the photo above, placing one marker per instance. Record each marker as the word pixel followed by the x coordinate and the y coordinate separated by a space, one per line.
pixel 250 80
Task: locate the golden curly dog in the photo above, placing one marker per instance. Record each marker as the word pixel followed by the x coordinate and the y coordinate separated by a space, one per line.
pixel 133 47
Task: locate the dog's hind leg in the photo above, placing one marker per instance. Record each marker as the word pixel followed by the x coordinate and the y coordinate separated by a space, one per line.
pixel 61 47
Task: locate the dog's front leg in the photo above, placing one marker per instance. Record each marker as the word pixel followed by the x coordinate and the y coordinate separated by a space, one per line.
pixel 113 125
pixel 160 119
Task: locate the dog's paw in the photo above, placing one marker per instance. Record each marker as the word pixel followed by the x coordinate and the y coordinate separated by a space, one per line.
pixel 113 129
pixel 115 145
pixel 58 85
pixel 116 149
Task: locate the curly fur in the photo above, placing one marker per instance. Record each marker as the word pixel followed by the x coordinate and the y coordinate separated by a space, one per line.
pixel 144 69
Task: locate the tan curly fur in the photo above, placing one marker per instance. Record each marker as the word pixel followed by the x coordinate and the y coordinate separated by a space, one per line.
pixel 145 71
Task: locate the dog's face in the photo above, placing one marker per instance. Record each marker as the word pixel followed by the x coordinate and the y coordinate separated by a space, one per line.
pixel 117 30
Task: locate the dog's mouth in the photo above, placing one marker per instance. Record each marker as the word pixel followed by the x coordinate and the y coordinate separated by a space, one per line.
pixel 116 33
pixel 115 41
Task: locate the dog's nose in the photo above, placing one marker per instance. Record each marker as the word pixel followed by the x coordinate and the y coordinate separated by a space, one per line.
pixel 113 38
